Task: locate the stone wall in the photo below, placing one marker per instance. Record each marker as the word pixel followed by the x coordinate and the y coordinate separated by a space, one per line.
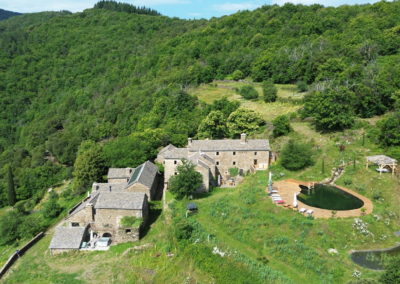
pixel 107 220
pixel 127 235
pixel 243 160
pixel 83 217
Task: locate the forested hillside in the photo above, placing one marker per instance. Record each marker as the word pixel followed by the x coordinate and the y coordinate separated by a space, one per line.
pixel 4 14
pixel 118 77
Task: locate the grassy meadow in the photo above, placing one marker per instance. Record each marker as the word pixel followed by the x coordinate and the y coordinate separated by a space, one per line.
pixel 287 95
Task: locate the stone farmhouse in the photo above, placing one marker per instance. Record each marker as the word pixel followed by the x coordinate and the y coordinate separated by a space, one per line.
pixel 214 158
pixel 99 215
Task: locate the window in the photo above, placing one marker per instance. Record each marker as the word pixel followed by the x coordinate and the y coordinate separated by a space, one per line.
pixel 217 163
pixel 234 163
pixel 128 230
pixel 217 153
pixel 255 153
pixel 255 162
pixel 74 224
pixel 234 153
pixel 175 173
pixel 175 162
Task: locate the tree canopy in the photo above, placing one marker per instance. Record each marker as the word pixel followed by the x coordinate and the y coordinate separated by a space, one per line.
pixel 186 182
pixel 296 156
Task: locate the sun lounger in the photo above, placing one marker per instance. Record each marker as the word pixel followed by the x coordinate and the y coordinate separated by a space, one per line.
pixel 302 210
pixel 309 212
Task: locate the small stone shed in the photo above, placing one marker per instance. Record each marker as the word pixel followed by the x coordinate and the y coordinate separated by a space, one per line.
pixel 383 162
pixel 67 239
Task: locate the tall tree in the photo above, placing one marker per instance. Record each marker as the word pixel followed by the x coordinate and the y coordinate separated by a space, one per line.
pixel 270 92
pixel 11 187
pixel 213 126
pixel 244 121
pixel 186 182
pixel 332 108
pixel 89 166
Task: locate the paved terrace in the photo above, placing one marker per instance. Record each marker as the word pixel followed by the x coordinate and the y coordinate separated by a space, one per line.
pixel 288 187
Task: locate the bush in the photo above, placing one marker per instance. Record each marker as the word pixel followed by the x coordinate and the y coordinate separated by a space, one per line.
pixel 392 272
pixel 130 221
pixel 237 75
pixel 281 126
pixel 301 86
pixel 296 156
pixel 51 208
pixel 270 92
pixel 248 92
pixel 233 172
pixel 390 130
pixel 183 230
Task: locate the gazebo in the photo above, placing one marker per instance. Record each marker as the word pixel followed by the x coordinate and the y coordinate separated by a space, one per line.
pixel 383 162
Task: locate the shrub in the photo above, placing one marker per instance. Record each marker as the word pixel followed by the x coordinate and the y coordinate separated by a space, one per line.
pixel 301 86
pixel 389 130
pixel 392 272
pixel 281 126
pixel 296 156
pixel 183 230
pixel 233 172
pixel 270 92
pixel 130 221
pixel 237 75
pixel 51 208
pixel 248 92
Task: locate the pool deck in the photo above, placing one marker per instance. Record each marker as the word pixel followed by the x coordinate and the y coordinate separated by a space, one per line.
pixel 287 188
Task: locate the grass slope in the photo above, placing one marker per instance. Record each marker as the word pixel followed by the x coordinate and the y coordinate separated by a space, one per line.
pixel 287 95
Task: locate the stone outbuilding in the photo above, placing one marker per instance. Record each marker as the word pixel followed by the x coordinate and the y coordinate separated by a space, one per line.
pixel 67 239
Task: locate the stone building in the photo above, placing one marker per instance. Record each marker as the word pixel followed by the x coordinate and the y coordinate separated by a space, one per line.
pixel 214 158
pixel 68 238
pixel 125 195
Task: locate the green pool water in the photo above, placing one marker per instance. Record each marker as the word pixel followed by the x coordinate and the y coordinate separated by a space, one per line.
pixel 330 197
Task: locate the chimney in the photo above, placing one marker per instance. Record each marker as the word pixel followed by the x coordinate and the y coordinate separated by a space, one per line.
pixel 243 138
pixel 190 141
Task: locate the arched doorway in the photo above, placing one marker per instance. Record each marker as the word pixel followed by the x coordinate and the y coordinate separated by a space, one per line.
pixel 106 235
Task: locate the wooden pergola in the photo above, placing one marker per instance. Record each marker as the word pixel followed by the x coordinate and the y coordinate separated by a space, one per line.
pixel 383 162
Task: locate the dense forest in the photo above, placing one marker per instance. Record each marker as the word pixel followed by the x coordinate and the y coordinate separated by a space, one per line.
pixel 4 14
pixel 115 77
